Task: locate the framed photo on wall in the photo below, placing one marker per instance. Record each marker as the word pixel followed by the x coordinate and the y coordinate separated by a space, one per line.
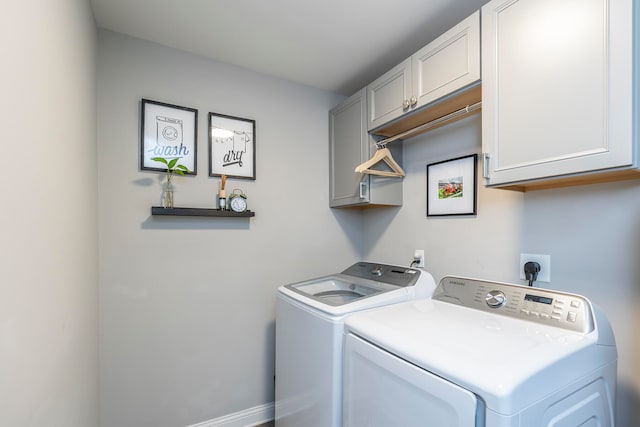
pixel 452 187
pixel 232 146
pixel 168 131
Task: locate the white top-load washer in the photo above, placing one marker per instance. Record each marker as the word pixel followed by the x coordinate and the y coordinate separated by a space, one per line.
pixel 481 354
pixel 310 319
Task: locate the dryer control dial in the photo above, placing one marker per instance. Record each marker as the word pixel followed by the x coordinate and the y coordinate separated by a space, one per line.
pixel 495 299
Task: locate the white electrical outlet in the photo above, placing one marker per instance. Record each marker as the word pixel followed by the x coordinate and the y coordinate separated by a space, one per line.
pixel 545 266
pixel 418 255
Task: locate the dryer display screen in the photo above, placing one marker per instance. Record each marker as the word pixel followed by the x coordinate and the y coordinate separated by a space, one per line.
pixel 537 298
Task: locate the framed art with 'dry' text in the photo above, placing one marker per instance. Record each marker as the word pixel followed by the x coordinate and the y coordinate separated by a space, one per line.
pixel 168 131
pixel 451 187
pixel 232 146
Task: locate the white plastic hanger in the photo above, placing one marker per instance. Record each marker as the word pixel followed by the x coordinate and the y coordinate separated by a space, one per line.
pixel 382 154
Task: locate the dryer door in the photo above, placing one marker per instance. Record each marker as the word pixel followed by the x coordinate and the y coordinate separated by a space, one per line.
pixel 381 390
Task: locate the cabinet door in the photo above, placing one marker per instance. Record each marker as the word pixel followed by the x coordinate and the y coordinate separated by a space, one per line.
pixel 449 63
pixel 348 147
pixel 557 87
pixel 388 96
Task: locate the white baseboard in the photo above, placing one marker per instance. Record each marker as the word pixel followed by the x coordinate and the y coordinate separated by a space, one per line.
pixel 247 418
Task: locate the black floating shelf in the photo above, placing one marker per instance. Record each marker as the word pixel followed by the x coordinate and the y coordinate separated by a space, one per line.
pixel 159 210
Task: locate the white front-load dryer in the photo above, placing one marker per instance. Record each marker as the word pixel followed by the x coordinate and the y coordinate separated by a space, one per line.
pixel 481 354
pixel 310 318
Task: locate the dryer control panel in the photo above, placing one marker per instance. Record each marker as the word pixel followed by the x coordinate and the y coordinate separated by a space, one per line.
pixel 553 308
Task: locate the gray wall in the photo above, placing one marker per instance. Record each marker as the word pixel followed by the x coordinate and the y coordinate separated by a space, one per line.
pixel 187 304
pixel 592 233
pixel 48 220
pixel 466 245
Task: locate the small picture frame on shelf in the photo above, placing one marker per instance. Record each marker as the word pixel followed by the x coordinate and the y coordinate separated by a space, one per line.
pixel 168 131
pixel 452 187
pixel 232 146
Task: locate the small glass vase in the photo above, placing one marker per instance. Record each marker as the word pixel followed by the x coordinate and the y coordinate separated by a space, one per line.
pixel 167 196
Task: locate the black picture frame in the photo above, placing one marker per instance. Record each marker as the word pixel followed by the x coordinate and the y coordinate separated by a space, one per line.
pixel 232 146
pixel 168 131
pixel 452 187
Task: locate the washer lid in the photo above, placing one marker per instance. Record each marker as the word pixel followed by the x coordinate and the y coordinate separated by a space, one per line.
pixel 339 294
pixel 361 286
pixel 339 289
pixel 506 361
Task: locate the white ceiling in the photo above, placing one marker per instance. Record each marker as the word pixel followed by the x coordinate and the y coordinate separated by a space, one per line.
pixel 334 45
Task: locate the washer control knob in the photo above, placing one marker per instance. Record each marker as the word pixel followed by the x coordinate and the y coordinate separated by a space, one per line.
pixel 377 271
pixel 495 299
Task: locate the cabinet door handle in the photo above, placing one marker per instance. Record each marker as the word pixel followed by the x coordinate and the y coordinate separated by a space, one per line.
pixel 486 173
pixel 414 101
pixel 405 104
pixel 362 189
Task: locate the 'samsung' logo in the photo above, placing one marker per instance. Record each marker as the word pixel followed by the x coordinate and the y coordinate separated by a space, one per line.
pixel 455 282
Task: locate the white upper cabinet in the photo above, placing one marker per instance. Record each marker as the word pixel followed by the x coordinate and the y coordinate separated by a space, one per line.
pixel 388 97
pixel 349 145
pixel 449 63
pixel 557 89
